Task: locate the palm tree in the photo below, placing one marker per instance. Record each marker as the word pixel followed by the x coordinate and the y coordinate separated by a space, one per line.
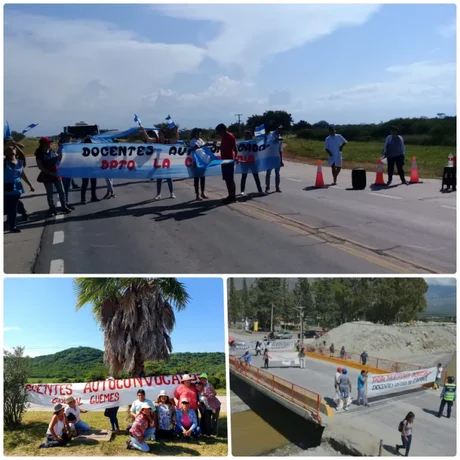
pixel 136 316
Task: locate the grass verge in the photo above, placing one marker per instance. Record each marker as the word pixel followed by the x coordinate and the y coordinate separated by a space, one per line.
pixel 25 441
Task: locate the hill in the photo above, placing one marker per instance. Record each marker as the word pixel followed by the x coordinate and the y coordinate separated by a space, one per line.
pixel 84 364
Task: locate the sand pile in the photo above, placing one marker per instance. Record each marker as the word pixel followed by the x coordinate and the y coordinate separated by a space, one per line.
pixel 398 342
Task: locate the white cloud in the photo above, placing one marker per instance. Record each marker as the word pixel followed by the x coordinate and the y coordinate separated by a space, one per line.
pixel 441 281
pixel 14 328
pixel 447 30
pixel 251 33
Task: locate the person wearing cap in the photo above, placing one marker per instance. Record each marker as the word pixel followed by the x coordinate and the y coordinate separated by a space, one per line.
pixel 448 396
pixel 136 408
pixel 276 135
pixel 166 418
pixel 247 137
pixel 188 391
pixel 72 413
pixel 200 181
pixel 13 172
pixel 139 431
pixel 48 164
pixel 187 421
pixel 345 388
pixel 228 151
pixel 58 433
pixel 394 151
pixel 210 407
pixel 111 413
pixel 334 145
pixel 161 139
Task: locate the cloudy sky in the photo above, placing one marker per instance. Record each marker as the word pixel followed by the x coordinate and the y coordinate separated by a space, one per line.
pixel 205 63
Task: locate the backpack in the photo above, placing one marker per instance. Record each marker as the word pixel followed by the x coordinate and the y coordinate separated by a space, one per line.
pixel 400 426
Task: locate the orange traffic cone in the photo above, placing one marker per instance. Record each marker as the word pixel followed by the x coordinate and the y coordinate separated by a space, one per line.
pixel 414 179
pixel 319 176
pixel 379 177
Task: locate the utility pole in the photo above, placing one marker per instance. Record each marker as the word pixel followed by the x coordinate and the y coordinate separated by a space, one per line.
pixel 271 320
pixel 239 115
pixel 300 309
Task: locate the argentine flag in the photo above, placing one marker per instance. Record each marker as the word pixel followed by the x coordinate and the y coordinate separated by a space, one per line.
pixel 6 131
pixel 137 120
pixel 259 131
pixel 33 125
pixel 204 158
pixel 170 122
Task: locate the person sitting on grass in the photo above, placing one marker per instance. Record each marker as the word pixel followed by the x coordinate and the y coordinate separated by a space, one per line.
pixel 58 433
pixel 136 408
pixel 166 411
pixel 72 412
pixel 186 421
pixel 142 423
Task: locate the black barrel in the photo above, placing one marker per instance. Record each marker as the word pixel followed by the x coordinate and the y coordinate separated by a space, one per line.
pixel 358 179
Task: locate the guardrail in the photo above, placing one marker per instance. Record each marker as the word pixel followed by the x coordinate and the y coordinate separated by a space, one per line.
pixel 377 363
pixel 303 397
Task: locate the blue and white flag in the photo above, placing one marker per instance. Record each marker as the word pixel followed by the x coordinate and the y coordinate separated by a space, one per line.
pixel 137 120
pixel 31 126
pixel 170 122
pixel 259 131
pixel 205 158
pixel 6 131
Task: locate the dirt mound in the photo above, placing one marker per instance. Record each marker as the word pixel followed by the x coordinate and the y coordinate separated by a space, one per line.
pixel 397 342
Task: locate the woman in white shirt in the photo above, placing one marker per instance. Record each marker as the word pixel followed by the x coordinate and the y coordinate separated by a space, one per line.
pixel 197 143
pixel 58 433
pixel 406 433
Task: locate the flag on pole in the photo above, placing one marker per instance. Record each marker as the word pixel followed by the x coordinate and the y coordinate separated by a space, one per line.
pixel 137 120
pixel 6 131
pixel 170 122
pixel 28 128
pixel 259 131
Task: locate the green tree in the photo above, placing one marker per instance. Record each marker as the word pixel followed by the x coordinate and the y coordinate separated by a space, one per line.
pixel 136 316
pixel 235 311
pixel 267 293
pixel 271 119
pixel 325 303
pixel 16 371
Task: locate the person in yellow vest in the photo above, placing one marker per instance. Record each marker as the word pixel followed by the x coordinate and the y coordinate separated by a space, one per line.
pixel 448 397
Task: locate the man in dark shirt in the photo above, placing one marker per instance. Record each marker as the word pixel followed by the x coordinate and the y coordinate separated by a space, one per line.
pixel 394 152
pixel 363 358
pixel 228 151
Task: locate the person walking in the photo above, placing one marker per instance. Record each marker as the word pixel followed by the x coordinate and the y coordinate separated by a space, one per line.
pixel 334 145
pixel 345 388
pixel 405 428
pixel 199 182
pixel 111 414
pixel 362 380
pixel 448 395
pixel 247 137
pixel 302 357
pixel 277 136
pixel 258 348
pixel 228 151
pixel 266 358
pixel 338 397
pixel 394 152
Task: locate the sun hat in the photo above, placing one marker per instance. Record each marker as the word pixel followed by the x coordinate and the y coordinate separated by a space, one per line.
pixel 185 400
pixel 69 399
pixel 204 376
pixel 186 377
pixel 145 405
pixel 57 407
pixel 110 378
pixel 162 393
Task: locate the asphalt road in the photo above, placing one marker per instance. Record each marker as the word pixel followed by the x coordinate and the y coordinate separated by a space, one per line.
pixel 366 426
pixel 403 229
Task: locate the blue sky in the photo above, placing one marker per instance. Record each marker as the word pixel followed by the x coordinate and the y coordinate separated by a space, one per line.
pixel 205 63
pixel 39 313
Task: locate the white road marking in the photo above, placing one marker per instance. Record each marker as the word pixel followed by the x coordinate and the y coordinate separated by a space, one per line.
pixel 448 207
pixel 57 266
pixel 58 237
pixel 386 196
pixel 294 180
pixel 60 217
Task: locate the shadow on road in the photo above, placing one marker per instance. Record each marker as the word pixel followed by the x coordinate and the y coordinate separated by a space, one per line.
pixel 390 449
pixel 430 411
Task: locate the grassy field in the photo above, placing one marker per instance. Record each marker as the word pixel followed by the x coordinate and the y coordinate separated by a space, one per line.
pixel 25 441
pixel 430 159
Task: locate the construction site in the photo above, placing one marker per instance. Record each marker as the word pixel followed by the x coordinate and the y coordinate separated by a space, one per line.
pixel 292 410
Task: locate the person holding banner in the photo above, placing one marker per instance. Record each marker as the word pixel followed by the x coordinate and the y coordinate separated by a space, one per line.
pixel 161 139
pixel 198 182
pixel 187 422
pixel 58 433
pixel 247 137
pixel 139 430
pixel 85 181
pixel 65 138
pixel 228 151
pixel 276 135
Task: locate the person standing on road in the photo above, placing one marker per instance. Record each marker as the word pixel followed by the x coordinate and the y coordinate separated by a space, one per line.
pixel 302 357
pixel 334 145
pixel 277 136
pixel 258 348
pixel 345 388
pixel 394 152
pixel 437 382
pixel 266 358
pixel 65 138
pixel 331 351
pixel 448 395
pixel 363 358
pixel 338 397
pixel 228 151
pixel 247 137
pixel 198 182
pixel 86 181
pixel 342 352
pixel 246 358
pixel 405 427
pixel 362 380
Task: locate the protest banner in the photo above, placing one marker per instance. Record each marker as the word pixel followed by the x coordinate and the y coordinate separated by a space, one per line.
pixel 162 161
pixel 272 345
pixel 103 394
pixel 399 381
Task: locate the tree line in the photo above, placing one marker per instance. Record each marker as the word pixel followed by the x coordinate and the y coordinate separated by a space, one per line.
pixel 327 302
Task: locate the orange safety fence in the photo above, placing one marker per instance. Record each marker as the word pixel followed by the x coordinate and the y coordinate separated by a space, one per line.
pixel 377 363
pixel 303 397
